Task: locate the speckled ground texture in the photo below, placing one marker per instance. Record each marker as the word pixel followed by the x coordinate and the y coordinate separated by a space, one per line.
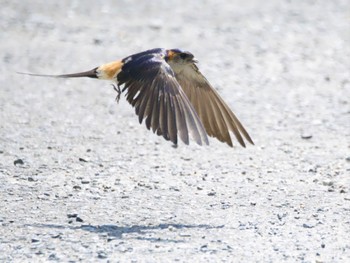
pixel 81 180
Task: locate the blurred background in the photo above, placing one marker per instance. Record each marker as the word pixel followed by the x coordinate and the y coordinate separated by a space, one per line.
pixel 281 65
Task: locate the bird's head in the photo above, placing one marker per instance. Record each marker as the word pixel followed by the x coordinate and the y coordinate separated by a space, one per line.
pixel 179 56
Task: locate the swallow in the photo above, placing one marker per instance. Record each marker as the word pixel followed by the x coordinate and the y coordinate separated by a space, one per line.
pixel 169 92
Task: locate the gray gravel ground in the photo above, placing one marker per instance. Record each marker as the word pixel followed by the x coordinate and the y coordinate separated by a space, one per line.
pixel 81 180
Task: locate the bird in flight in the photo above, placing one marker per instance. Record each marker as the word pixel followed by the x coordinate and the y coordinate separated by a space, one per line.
pixel 169 92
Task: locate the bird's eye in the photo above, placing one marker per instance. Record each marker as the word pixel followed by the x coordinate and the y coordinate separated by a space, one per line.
pixel 183 55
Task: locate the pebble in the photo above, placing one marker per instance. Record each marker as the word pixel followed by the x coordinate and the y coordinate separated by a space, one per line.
pixel 72 215
pixel 307 226
pixel 53 257
pixel 306 136
pixel 328 183
pixel 102 255
pixel 18 162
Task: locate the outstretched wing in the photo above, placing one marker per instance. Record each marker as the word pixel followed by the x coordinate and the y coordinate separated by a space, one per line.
pixel 157 97
pixel 214 113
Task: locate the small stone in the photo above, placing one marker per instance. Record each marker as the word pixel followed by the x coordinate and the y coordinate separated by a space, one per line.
pixel 78 219
pixel 307 226
pixel 174 188
pixel 18 162
pixel 204 248
pixel 72 215
pixel 102 255
pixel 111 239
pixel 82 160
pixel 328 183
pixel 53 257
pixel 43 197
pixel 306 136
pixel 97 41
pixel 211 193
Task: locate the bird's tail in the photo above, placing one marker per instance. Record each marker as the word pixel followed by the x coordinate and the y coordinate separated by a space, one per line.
pixel 89 74
pixel 107 71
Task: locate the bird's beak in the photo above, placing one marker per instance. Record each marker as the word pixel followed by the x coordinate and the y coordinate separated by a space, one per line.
pixel 194 60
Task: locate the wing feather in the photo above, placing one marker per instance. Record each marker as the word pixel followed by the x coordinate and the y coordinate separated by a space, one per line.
pixel 141 107
pixel 150 106
pixel 180 121
pixel 158 98
pixel 163 116
pixel 216 116
pixel 172 129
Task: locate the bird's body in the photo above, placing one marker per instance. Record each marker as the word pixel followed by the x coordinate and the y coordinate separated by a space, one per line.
pixel 171 95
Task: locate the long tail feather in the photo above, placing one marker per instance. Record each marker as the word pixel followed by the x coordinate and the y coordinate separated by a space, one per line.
pixel 89 74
